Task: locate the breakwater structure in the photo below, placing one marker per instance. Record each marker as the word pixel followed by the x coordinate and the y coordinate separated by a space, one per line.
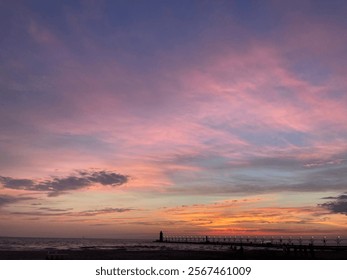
pixel 295 244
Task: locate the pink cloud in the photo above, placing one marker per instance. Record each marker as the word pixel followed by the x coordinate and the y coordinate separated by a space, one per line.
pixel 189 107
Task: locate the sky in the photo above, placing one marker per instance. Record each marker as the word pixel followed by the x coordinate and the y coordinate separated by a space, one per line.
pixel 119 119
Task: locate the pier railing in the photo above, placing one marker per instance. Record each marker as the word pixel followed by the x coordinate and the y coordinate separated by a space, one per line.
pixel 323 243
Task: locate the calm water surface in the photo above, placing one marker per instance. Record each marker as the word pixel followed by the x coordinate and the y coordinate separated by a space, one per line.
pixel 24 243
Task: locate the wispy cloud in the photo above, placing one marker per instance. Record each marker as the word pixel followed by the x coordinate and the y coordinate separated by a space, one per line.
pixel 8 199
pixel 103 211
pixel 47 211
pixel 249 217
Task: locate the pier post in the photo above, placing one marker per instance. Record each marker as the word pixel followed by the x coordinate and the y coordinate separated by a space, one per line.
pixel 161 236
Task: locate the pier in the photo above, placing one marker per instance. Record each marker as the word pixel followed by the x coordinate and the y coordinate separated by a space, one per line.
pixel 287 244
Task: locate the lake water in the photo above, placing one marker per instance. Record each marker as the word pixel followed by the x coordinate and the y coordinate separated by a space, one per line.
pixel 24 243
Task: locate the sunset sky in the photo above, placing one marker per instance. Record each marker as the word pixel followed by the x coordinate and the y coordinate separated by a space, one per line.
pixel 123 118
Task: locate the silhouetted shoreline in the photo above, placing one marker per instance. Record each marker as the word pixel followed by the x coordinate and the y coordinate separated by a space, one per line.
pixel 95 254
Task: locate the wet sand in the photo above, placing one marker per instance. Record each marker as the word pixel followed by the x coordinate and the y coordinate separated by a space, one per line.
pixel 169 255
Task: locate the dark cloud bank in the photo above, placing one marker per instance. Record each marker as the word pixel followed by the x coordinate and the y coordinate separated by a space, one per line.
pixel 337 205
pixel 57 186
